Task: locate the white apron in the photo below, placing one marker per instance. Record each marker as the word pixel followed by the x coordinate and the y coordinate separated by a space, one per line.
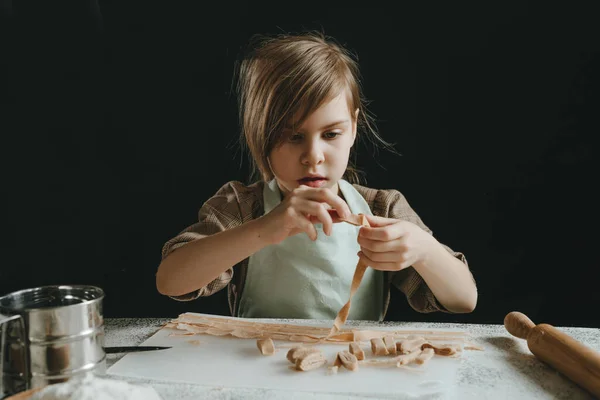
pixel 299 278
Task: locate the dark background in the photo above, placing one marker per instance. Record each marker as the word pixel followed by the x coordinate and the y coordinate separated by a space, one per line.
pixel 118 122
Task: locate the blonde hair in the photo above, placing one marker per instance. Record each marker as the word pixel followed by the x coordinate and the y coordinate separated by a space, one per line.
pixel 286 76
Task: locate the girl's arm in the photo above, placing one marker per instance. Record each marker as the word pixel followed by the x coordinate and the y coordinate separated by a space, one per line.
pixel 391 245
pixel 201 261
pixel 448 278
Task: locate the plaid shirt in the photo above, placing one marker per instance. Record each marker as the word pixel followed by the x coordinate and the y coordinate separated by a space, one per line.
pixel 236 203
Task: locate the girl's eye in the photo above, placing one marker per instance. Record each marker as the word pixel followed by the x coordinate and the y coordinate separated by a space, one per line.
pixel 295 137
pixel 331 135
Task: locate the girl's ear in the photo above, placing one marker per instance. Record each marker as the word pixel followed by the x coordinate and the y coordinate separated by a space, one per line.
pixel 354 124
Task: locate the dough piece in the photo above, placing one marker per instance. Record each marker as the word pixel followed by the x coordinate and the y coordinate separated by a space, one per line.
pixel 355 349
pixel 408 358
pixel 348 360
pixel 442 350
pixel 390 344
pixel 298 352
pixel 311 361
pixel 266 346
pixel 378 347
pixel 425 356
pixel 410 345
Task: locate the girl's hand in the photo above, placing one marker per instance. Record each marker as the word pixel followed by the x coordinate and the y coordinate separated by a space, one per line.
pixel 392 244
pixel 298 211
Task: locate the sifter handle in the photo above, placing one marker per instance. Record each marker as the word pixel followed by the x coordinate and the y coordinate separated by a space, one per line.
pixel 4 319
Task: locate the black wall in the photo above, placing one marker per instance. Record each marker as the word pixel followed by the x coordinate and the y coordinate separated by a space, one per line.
pixel 118 122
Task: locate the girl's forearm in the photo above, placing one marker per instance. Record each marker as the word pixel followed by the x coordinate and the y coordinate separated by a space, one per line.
pixel 197 263
pixel 449 279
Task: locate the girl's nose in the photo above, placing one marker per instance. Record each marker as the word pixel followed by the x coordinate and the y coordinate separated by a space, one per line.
pixel 313 154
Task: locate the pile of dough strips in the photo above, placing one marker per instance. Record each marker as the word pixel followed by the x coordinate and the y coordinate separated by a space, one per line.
pixel 402 347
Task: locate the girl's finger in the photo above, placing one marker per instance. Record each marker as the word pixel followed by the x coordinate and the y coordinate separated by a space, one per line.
pixel 384 257
pixel 381 266
pixel 317 211
pixel 309 228
pixel 380 221
pixel 381 246
pixel 327 196
pixel 385 233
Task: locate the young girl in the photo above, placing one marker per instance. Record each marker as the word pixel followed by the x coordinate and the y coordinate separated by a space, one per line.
pixel 273 243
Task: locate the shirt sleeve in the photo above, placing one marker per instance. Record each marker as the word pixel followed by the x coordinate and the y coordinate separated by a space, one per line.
pixel 408 281
pixel 228 208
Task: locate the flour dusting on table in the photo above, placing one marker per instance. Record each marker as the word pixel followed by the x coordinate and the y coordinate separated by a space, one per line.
pixel 92 387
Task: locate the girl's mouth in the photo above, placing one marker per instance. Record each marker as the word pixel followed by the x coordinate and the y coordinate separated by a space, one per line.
pixel 315 182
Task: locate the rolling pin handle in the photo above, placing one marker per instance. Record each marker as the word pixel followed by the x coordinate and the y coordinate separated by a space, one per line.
pixel 518 324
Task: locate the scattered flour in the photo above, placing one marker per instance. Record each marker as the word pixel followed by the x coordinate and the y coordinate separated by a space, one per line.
pixel 92 387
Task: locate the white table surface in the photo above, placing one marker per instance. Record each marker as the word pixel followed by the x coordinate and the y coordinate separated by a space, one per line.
pixel 506 369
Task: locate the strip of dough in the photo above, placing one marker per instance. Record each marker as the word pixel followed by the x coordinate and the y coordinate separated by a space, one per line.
pixel 359 272
pixel 193 324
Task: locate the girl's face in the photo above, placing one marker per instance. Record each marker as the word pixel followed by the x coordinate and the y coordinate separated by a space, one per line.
pixel 316 154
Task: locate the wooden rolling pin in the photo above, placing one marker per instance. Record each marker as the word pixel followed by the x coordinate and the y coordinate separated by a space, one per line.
pixel 578 362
